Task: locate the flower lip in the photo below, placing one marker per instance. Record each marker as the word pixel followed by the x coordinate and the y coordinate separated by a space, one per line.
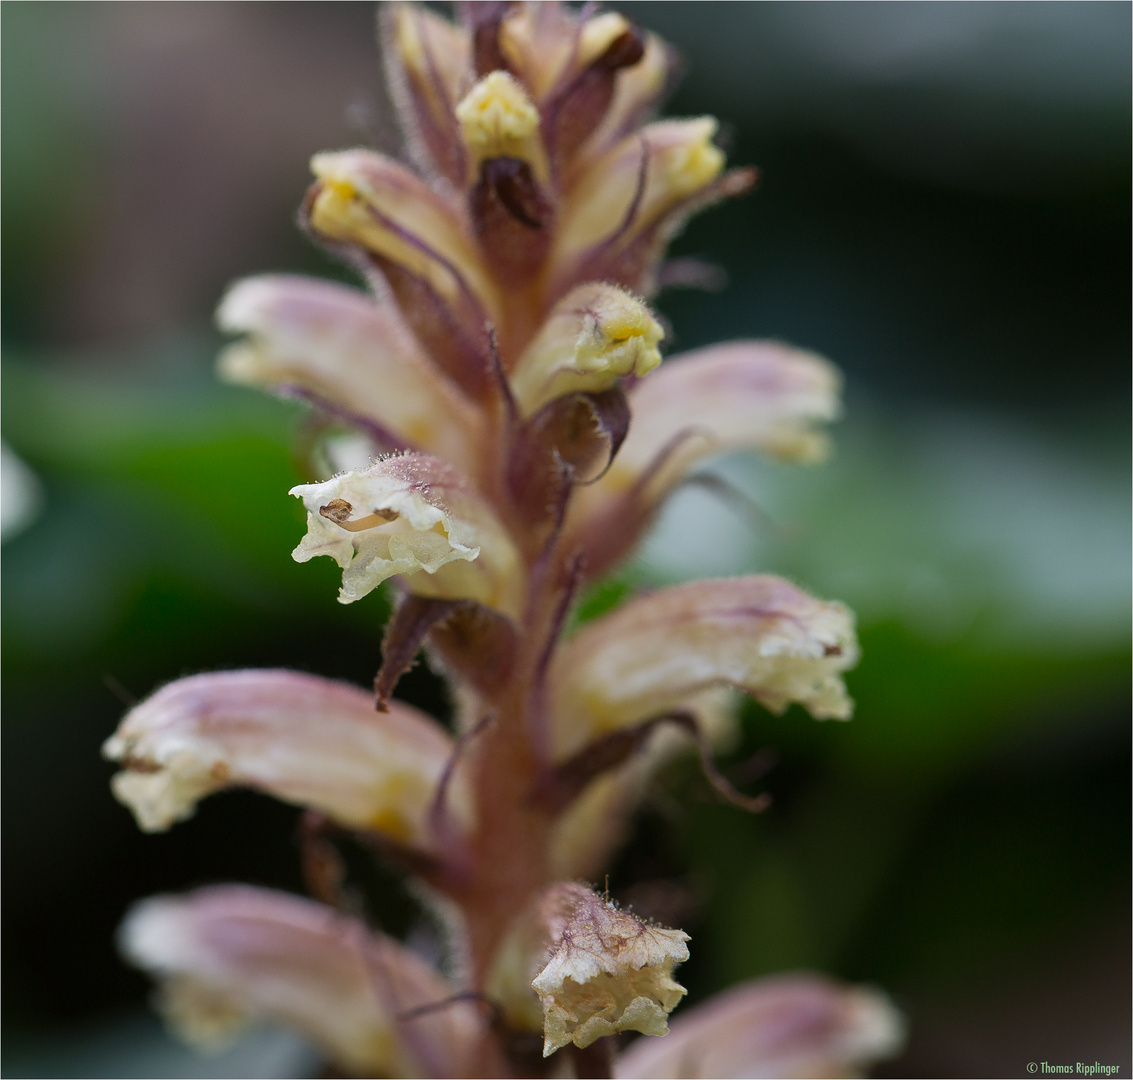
pixel 607 971
pixel 416 516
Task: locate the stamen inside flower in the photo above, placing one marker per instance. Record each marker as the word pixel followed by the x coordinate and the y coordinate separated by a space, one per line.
pixel 339 511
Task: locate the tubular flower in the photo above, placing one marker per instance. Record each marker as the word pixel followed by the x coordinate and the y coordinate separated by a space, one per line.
pixel 760 634
pixel 791 1025
pixel 349 353
pixel 303 739
pixel 504 360
pixel 230 955
pixel 754 395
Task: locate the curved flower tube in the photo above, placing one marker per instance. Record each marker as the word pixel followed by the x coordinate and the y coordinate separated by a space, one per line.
pixel 303 739
pixel 630 201
pixel 345 349
pixel 416 516
pixel 789 1025
pixel 759 633
pixel 368 199
pixel 754 395
pixel 230 955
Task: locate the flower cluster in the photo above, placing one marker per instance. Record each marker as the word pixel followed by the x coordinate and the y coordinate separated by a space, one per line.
pixel 516 432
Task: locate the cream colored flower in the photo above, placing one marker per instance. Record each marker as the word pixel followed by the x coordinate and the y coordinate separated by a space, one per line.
pixel 607 972
pixel 786 1026
pixel 415 516
pixel 369 200
pixel 347 351
pixel 761 634
pixel 231 955
pixel 303 739
pixel 754 395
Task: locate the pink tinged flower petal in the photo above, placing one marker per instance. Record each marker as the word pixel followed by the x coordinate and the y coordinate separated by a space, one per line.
pixel 416 516
pixel 594 336
pixel 230 955
pixel 760 396
pixel 303 739
pixel 787 1026
pixel 429 65
pixel 651 656
pixel 346 349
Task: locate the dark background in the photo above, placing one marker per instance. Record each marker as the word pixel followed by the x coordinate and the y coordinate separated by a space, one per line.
pixel 944 211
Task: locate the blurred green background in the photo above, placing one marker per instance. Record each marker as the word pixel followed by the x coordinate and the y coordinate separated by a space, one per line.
pixel 944 211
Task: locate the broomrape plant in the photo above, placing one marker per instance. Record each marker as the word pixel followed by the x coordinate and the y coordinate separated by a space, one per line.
pixel 505 372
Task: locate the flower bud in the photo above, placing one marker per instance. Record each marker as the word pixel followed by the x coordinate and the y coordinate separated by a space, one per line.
pixel 498 120
pixel 628 202
pixel 607 45
pixel 428 61
pixel 390 218
pixel 303 739
pixel 415 516
pixel 231 955
pixel 596 335
pixel 536 41
pixel 789 1025
pixel 348 351
pixel 637 90
pixel 760 634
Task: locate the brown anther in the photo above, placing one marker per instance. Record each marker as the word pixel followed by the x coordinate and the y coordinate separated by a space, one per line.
pixel 339 511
